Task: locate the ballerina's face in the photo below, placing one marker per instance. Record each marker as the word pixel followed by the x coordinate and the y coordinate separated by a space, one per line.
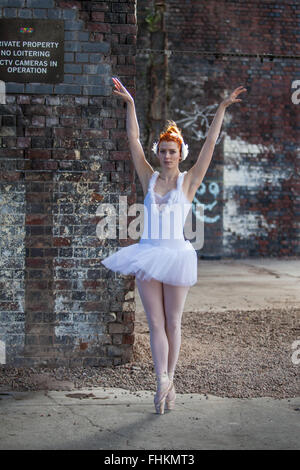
pixel 169 154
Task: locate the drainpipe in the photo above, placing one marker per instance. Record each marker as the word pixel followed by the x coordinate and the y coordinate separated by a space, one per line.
pixel 158 68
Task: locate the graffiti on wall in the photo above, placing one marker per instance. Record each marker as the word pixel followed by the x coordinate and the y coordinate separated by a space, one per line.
pixel 197 121
pixel 213 189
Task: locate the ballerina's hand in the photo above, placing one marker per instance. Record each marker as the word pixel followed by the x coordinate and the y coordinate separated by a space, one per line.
pixel 121 91
pixel 233 96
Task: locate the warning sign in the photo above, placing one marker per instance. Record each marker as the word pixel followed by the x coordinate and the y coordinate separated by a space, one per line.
pixel 31 51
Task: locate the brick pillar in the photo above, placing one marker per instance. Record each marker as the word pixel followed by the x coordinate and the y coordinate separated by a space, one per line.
pixel 64 152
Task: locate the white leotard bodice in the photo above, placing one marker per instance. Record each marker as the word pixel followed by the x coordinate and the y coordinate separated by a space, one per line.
pixel 165 216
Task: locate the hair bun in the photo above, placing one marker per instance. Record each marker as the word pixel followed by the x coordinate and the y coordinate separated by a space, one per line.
pixel 171 126
pixel 171 130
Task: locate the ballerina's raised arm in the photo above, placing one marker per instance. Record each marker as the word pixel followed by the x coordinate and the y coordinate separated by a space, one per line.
pixel 197 172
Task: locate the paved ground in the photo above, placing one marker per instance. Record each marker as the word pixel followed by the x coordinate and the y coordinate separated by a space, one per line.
pixel 117 419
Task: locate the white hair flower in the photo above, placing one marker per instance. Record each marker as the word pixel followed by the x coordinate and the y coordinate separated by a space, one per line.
pixel 184 150
pixel 154 147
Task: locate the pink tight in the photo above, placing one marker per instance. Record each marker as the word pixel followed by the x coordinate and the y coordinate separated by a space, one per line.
pixel 163 305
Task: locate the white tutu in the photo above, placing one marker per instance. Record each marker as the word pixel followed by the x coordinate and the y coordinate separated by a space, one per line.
pixel 176 266
pixel 171 260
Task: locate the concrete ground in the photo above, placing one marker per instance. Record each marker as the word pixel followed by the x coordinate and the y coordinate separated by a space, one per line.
pixel 117 419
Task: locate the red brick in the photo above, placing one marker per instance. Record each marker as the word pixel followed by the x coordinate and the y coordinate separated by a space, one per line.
pixel 38 153
pixel 98 16
pixel 100 27
pixel 61 241
pixel 120 155
pixel 128 339
pixel 123 29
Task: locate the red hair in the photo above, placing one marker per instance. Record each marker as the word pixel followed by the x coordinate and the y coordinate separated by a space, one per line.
pixel 171 133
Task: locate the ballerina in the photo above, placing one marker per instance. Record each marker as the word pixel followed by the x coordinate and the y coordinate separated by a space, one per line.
pixel 165 267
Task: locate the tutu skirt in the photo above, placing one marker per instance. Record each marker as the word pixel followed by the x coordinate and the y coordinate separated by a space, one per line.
pixel 170 261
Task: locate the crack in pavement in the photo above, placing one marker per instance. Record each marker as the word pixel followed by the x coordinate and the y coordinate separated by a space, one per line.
pixel 97 426
pixel 262 269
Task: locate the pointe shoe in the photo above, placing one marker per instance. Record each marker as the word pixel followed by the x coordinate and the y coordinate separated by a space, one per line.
pixel 161 395
pixel 170 399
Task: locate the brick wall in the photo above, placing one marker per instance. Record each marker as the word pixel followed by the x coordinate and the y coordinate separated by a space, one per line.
pixel 63 153
pixel 251 189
